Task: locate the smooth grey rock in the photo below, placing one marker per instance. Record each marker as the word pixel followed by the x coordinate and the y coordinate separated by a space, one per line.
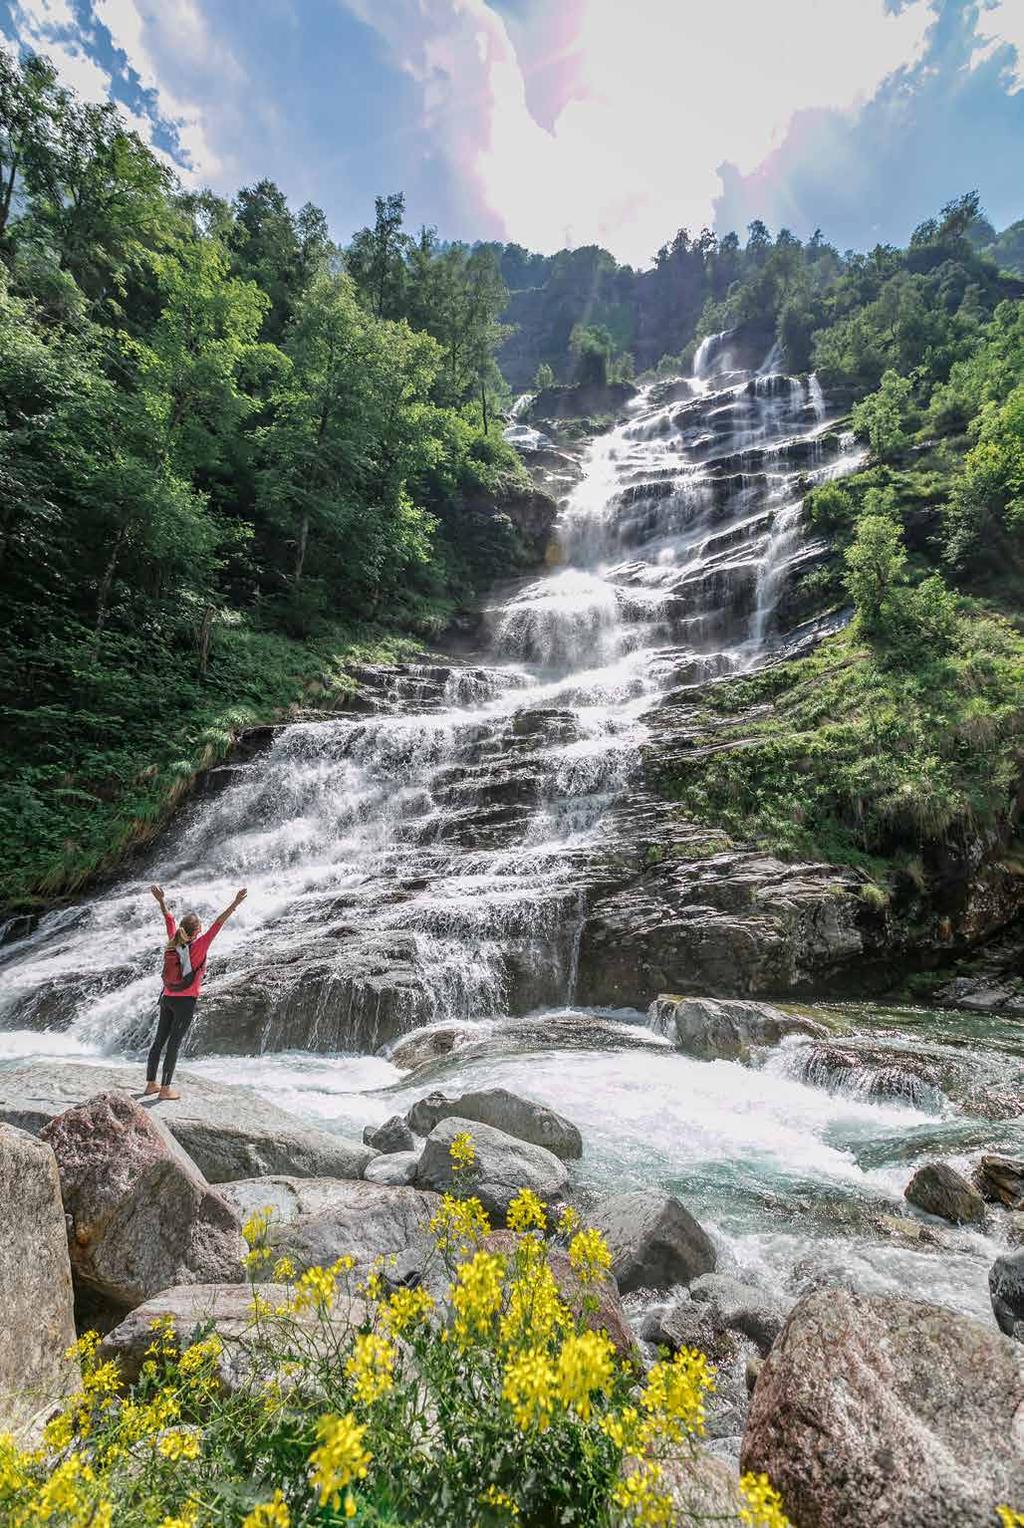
pixel 1006 1288
pixel 393 1135
pixel 1000 1180
pixel 141 1216
pixel 939 1189
pixel 714 1028
pixel 504 1165
pixel 521 1117
pixel 36 1297
pixel 740 1307
pixel 228 1131
pixel 195 1308
pixel 428 1044
pixel 876 1412
pixel 655 1242
pixel 392 1167
pixel 317 1220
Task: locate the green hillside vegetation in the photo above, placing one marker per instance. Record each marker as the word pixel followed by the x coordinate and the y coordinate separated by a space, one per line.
pixel 903 737
pixel 232 457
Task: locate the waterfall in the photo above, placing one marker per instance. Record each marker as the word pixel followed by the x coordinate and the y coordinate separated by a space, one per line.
pixel 431 857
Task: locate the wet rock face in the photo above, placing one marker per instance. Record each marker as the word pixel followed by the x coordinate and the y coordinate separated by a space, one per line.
pixel 521 1117
pixel 141 1216
pixel 393 1135
pixel 939 1189
pixel 877 1412
pixel 655 1242
pixel 713 1029
pixel 1000 1180
pixel 35 1279
pixel 1006 1287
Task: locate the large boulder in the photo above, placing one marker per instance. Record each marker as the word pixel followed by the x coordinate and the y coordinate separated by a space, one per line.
pixel 713 1028
pixel 35 1278
pixel 877 1412
pixel 141 1215
pixel 317 1220
pixel 1000 1180
pixel 393 1135
pixel 655 1242
pixel 596 1304
pixel 939 1189
pixel 195 1309
pixel 1006 1288
pixel 503 1166
pixel 229 1132
pixel 521 1117
pixel 393 1167
pixel 739 1307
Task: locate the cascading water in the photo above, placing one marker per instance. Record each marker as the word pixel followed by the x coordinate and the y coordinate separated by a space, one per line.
pixel 430 860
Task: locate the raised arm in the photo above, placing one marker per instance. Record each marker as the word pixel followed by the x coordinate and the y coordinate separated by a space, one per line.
pixel 226 914
pixel 158 893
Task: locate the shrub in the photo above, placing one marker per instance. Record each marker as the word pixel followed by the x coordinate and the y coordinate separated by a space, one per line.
pixel 350 1399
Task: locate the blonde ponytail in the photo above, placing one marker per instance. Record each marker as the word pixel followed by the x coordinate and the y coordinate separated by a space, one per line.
pixel 186 931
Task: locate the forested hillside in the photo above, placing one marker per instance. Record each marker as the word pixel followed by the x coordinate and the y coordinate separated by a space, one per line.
pixel 231 458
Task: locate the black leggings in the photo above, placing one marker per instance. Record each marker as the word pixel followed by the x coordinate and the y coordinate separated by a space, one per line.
pixel 175 1017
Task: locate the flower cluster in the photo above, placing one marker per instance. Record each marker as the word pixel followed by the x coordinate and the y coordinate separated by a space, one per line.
pixel 763 1505
pixel 476 1296
pixel 462 1152
pixel 371 1367
pixel 339 1459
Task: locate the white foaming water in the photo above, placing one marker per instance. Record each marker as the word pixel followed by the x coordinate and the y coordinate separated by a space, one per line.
pixel 430 862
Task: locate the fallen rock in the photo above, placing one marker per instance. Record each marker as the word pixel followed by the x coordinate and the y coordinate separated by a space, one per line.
pixel 228 1131
pixel 1000 1180
pixel 142 1217
pixel 702 1488
pixel 317 1220
pixel 35 1276
pixel 939 1189
pixel 393 1135
pixel 685 1324
pixel 655 1242
pixel 714 1028
pixel 877 1412
pixel 194 1309
pixel 521 1117
pixel 392 1167
pixel 1006 1288
pixel 740 1308
pixel 503 1166
pixel 606 1316
pixel 429 1044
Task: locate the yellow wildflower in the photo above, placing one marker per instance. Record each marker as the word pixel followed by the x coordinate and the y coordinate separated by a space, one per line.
pixel 462 1152
pixel 270 1514
pixel 284 1270
pixel 253 1260
pixel 86 1348
pixel 476 1295
pixel 568 1221
pixel 528 1388
pixel 339 1458
pixel 102 1381
pixel 1006 1515
pixel 200 1356
pixel 526 1212
pixel 255 1228
pixel 764 1505
pixel 372 1367
pixel 66 1492
pixel 180 1443
pixel 585 1364
pixel 315 1289
pixel 185 1519
pixel 641 1495
pixel 459 1224
pixel 499 1501
pixel 14 1475
pixel 165 1338
pixel 674 1396
pixel 535 1311
pixel 589 1256
pixel 406 1308
pixel 623 1428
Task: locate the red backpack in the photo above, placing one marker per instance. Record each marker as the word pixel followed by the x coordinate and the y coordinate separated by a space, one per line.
pixel 175 979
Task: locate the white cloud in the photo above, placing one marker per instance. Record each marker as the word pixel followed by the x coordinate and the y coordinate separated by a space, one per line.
pixel 666 90
pixel 1004 23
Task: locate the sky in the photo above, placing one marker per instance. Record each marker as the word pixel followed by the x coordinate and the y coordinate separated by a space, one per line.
pixel 568 122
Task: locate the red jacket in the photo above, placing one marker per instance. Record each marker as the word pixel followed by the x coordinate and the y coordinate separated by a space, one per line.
pixel 197 954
